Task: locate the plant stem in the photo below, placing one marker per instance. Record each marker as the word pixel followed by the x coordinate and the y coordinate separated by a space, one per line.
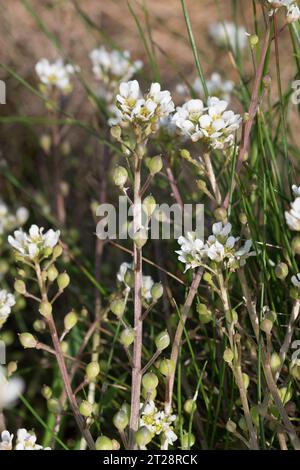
pixel 212 178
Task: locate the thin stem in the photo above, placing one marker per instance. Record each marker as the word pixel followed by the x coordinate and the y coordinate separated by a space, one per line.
pixel 212 178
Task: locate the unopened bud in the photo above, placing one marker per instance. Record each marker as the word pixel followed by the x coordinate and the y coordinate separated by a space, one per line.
pixel 140 238
pixel 27 340
pixel 103 443
pixel 246 380
pixel 275 362
pixel 228 355
pixel 266 326
pixel 52 273
pixel 54 406
pixel 296 245
pixel 120 176
pixel 166 367
pixel 188 440
pixel 189 406
pixel 220 214
pixel 162 340
pixel 120 420
pixel 143 436
pixel 70 320
pixel 253 40
pixel 149 205
pixel 281 271
pixel 20 287
pixel 150 381
pixel 63 281
pixel 127 337
pixel 118 307
pixel 231 426
pixel 45 309
pixel 267 81
pixel 116 132
pixel 46 392
pixel 92 370
pixel 155 164
pixel 12 367
pixel 45 143
pixel 157 291
pixel 57 252
pixel 86 408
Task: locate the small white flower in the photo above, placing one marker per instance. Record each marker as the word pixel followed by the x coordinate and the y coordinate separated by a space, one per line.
pixel 228 33
pixel 9 221
pixel 7 301
pixel 147 281
pixel 292 216
pixel 10 389
pixel 163 100
pixel 157 422
pixel 216 86
pixel 293 13
pixel 192 251
pixel 296 280
pixel 56 74
pixel 296 190
pixel 35 244
pixel 6 440
pixel 27 441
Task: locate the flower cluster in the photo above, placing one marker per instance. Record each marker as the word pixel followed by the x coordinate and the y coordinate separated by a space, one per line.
pixel 35 244
pixel 220 247
pixel 147 281
pixel 10 389
pixel 292 13
pixel 25 441
pixel 157 422
pixel 55 75
pixel 9 221
pixel 7 301
pixel 143 110
pixel 113 67
pixel 216 86
pixel 213 125
pixel 228 33
pixel 292 216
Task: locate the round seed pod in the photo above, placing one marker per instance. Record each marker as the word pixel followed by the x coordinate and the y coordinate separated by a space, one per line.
pixel 103 443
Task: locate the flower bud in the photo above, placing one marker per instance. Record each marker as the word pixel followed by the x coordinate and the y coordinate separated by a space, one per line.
pixel 20 287
pixel 63 281
pixel 266 326
pixel 242 424
pixel 149 205
pixel 52 273
pixel 166 367
pixel 70 320
pixel 188 440
pixel 231 426
pixel 129 278
pixel 275 362
pixel 45 309
pixel 243 218
pixel 27 340
pixel 127 337
pixel 86 408
pixel 294 369
pixel 150 381
pixel 104 443
pixel 228 355
pixel 116 132
pixel 12 367
pixel 253 40
pixel 39 326
pixel 155 164
pixel 162 340
pixel 92 370
pixel 296 245
pixel 157 291
pixel 54 406
pixel 120 420
pixel 57 251
pixel 246 380
pixel 220 214
pixel 143 436
pixel 45 143
pixel 281 271
pixel 185 154
pixel 267 81
pixel 46 392
pixel 116 445
pixel 189 406
pixel 140 238
pixel 254 415
pixel 64 346
pixel 285 395
pixel 205 315
pixel 118 307
pixel 120 176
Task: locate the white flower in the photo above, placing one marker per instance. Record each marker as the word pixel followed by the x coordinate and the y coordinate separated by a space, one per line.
pixel 55 74
pixel 296 190
pixel 157 422
pixel 296 280
pixel 10 389
pixel 293 13
pixel 35 244
pixel 216 86
pixel 27 441
pixel 7 301
pixel 191 251
pixel 162 99
pixel 228 33
pixel 292 216
pixel 113 67
pixel 9 221
pixel 147 281
pixel 6 440
pixel 280 3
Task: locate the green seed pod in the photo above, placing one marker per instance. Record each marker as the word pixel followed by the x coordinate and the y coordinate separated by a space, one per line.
pixel 149 205
pixel 140 238
pixel 12 367
pixel 205 315
pixel 243 218
pixel 27 340
pixel 143 436
pixel 39 326
pixel 45 309
pixel 70 320
pixel 150 381
pixel 281 271
pixel 86 408
pixel 231 426
pixel 64 346
pixel 232 316
pixel 166 367
pixel 296 245
pixel 294 369
pixel 120 176
pixel 120 420
pixel 184 153
pixel 242 424
pixel 157 291
pixel 285 395
pixel 155 164
pixel 46 392
pixel 254 415
pixel 220 214
pixel 116 132
pixel 129 278
pixel 63 281
pixel 45 143
pixel 253 40
pixel 266 326
pixel 92 370
pixel 246 380
pixel 57 252
pixel 20 287
pixel 52 273
pixel 104 443
pixel 275 362
pixel 162 340
pixel 116 445
pixel 228 355
pixel 188 441
pixel 127 337
pixel 53 406
pixel 118 307
pixel 189 406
